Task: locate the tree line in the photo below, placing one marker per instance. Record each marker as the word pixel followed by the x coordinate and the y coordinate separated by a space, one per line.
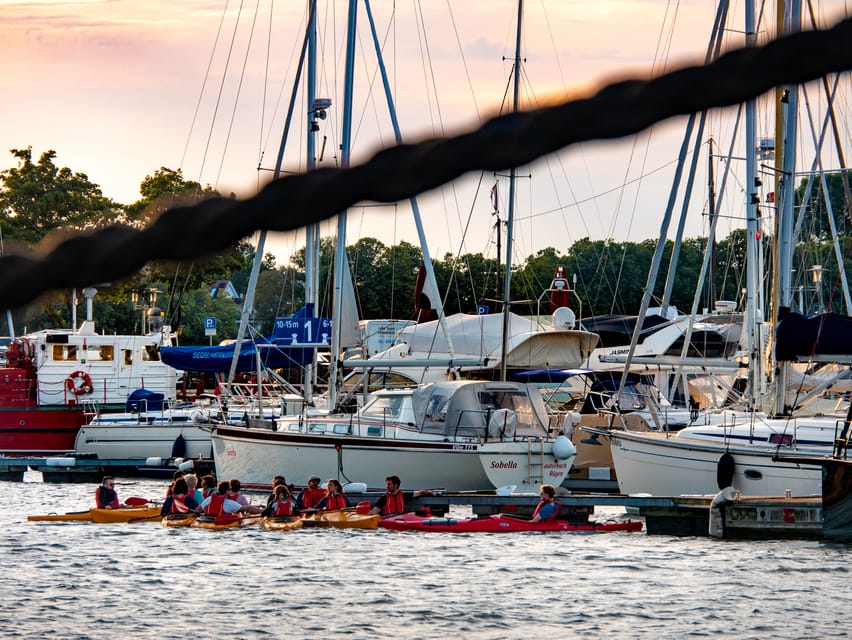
pixel 39 200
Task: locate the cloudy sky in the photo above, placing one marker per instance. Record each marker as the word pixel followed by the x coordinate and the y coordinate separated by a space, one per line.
pixel 120 88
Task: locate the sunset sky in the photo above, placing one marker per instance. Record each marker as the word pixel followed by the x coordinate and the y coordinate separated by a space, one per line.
pixel 119 89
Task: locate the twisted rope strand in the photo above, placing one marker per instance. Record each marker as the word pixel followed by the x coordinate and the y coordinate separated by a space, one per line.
pixel 400 172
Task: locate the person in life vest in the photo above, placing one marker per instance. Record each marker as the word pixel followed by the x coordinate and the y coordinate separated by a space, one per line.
pixel 276 480
pixel 394 500
pixel 335 498
pixel 548 507
pixel 106 496
pixel 310 496
pixel 192 488
pixel 179 500
pixel 283 503
pixel 235 495
pixel 219 503
pixel 208 486
pixel 177 474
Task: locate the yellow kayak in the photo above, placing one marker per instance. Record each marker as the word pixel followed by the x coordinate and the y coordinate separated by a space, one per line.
pixel 178 519
pixel 78 516
pixel 149 511
pixel 351 520
pixel 223 522
pixel 281 523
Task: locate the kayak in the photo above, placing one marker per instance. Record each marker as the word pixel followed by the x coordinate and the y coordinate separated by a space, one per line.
pixel 149 511
pixel 499 523
pixel 223 522
pixel 281 523
pixel 78 516
pixel 178 519
pixel 351 520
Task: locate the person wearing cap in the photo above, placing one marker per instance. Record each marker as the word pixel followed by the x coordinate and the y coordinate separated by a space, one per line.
pixel 311 495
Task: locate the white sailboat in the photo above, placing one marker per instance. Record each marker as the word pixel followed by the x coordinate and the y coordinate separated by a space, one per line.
pixel 461 436
pixel 756 454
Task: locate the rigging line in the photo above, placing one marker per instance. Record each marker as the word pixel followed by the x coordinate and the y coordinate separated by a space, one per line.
pixel 464 63
pixel 264 92
pixel 204 84
pixel 428 69
pixel 219 95
pixel 239 93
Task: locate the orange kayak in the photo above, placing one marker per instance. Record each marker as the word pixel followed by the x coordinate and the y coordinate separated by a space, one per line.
pixel 223 522
pixel 78 516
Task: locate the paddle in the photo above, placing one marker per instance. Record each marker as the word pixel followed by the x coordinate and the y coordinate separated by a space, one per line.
pixel 156 516
pixel 134 501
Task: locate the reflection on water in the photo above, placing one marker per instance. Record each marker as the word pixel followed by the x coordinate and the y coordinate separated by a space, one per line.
pixel 82 580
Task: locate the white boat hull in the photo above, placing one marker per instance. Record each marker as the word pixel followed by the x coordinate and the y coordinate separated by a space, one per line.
pixel 255 456
pixel 661 465
pixel 122 441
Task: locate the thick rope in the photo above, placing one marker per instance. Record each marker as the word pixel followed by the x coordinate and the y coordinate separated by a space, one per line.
pixel 401 172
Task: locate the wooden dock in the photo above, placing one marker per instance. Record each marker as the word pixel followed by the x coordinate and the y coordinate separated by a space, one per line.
pixel 90 469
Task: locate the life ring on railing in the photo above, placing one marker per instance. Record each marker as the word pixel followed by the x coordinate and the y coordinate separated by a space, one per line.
pixel 79 383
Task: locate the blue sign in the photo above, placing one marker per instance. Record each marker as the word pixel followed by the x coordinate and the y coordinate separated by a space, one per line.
pixel 210 323
pixel 301 330
pixel 482 309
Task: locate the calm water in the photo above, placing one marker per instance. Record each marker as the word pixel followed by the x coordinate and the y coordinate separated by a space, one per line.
pixel 82 580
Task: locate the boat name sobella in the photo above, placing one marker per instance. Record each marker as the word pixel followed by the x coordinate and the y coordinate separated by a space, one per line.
pixel 495 464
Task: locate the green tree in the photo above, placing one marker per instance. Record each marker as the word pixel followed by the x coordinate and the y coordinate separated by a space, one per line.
pixel 39 198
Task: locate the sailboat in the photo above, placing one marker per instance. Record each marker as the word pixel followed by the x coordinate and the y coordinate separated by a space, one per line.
pixel 458 435
pixel 748 450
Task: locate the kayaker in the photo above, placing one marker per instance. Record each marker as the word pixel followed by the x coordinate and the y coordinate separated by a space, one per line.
pixel 548 507
pixel 235 495
pixel 218 503
pixel 276 480
pixel 106 496
pixel 394 500
pixel 208 486
pixel 282 504
pixel 310 496
pixel 335 498
pixel 180 501
pixel 192 488
pixel 177 474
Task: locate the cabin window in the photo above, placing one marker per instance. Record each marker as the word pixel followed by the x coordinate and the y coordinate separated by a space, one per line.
pixel 96 353
pixel 64 352
pixel 128 357
pixel 384 407
pixel 374 431
pixel 437 409
pixel 150 353
pixel 341 429
pixel 316 428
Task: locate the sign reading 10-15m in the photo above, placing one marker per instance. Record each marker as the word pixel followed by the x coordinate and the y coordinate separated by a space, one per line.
pixel 304 331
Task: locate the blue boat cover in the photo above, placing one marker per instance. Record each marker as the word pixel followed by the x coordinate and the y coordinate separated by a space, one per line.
pixel 144 400
pixel 799 337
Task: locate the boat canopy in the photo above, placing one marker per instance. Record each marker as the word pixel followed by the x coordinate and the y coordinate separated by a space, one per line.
pixel 799 337
pixel 460 408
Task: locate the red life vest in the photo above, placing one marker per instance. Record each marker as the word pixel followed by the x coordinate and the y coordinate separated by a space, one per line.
pixel 394 503
pixel 179 505
pixel 106 498
pixel 310 497
pixel 216 506
pixel 555 512
pixel 336 501
pixel 284 508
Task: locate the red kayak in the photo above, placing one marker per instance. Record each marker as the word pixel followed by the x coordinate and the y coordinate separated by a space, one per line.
pixel 499 523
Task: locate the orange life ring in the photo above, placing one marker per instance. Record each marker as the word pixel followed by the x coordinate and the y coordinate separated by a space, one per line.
pixel 79 383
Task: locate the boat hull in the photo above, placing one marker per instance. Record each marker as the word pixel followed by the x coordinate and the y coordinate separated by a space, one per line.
pixel 35 431
pixel 255 455
pixel 126 441
pixel 178 520
pixel 652 463
pixel 281 523
pixel 216 523
pixel 127 514
pixel 76 516
pixel 499 523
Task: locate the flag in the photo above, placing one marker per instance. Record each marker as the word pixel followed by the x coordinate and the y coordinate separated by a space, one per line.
pixel 494 208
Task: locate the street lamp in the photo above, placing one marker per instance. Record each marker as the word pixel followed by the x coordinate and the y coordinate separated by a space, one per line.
pixel 816 276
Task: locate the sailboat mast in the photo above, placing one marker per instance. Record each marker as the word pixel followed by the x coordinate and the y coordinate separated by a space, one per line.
pixel 510 215
pixel 340 254
pixel 312 231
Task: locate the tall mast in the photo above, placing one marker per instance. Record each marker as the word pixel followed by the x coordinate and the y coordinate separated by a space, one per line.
pixel 510 215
